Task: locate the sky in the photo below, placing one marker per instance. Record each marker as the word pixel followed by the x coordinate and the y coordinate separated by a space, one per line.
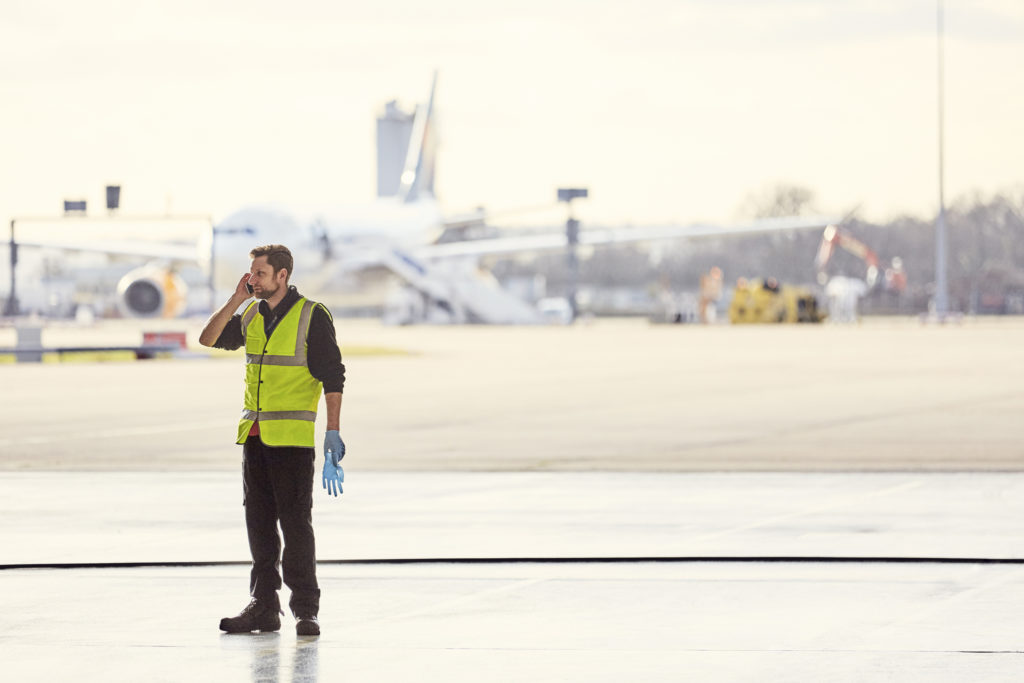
pixel 667 110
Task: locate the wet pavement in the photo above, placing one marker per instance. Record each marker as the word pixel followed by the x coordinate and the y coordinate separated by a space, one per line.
pixel 571 622
pixel 750 620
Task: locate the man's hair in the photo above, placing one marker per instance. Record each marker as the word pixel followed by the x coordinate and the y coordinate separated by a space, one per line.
pixel 277 255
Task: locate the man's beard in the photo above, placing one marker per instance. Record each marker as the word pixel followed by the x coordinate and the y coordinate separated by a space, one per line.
pixel 265 293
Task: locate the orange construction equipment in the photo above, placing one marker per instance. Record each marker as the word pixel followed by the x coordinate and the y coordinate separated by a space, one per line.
pixel 895 276
pixel 834 237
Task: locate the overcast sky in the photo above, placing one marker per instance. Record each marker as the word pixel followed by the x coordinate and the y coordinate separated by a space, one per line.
pixel 668 110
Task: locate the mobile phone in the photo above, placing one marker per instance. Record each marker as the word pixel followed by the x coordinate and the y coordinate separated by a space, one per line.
pixel 249 287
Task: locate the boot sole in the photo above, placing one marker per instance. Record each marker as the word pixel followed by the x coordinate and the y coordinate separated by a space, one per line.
pixel 270 629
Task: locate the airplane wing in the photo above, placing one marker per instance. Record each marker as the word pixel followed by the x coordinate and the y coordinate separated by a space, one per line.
pixel 605 236
pixel 153 250
pixel 175 238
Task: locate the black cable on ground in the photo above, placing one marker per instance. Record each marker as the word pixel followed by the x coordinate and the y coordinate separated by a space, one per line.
pixel 679 559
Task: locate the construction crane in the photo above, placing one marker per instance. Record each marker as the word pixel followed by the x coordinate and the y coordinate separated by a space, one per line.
pixel 833 237
pixel 843 292
pixel 895 277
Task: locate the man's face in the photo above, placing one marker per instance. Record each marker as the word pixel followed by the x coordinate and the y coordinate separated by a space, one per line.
pixel 261 276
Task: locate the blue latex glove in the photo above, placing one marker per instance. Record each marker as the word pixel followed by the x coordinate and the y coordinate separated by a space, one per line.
pixel 333 476
pixel 334 447
pixel 334 451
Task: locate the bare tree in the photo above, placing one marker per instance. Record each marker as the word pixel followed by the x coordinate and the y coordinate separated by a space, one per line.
pixel 986 263
pixel 783 199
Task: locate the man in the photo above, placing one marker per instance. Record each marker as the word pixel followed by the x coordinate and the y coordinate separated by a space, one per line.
pixel 290 352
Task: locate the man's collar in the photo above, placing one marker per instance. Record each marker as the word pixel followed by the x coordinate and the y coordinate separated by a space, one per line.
pixel 286 303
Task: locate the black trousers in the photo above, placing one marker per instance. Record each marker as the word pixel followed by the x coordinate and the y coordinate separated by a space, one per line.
pixel 278 485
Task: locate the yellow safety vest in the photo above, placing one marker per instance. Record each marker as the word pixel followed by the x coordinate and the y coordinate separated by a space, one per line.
pixel 279 391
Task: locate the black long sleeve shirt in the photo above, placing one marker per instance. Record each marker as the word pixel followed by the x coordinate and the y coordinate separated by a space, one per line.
pixel 323 355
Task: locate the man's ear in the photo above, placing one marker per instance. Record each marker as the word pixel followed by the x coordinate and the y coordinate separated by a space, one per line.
pixel 286 275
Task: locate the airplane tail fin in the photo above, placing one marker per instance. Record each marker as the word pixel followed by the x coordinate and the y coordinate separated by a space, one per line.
pixel 417 178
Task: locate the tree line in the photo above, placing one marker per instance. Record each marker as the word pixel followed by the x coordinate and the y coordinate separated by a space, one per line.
pixel 985 268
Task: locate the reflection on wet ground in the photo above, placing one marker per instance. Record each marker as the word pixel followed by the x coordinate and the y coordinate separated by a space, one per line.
pixel 277 660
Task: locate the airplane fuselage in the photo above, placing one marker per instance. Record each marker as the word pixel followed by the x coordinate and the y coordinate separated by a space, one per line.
pixel 318 237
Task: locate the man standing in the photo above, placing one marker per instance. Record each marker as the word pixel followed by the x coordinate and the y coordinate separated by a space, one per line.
pixel 290 353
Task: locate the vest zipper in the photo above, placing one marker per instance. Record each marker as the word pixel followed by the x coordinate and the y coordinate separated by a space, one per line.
pixel 259 377
pixel 259 382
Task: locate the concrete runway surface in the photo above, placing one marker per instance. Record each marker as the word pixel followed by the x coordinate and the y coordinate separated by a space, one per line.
pixel 613 395
pixel 643 622
pixel 804 619
pixel 769 452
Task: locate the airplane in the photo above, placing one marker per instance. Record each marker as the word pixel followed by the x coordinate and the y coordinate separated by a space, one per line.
pixel 403 235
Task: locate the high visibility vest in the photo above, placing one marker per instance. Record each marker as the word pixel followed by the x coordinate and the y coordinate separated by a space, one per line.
pixel 279 391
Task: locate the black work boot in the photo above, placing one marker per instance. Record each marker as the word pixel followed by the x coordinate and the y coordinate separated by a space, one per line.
pixel 307 626
pixel 259 615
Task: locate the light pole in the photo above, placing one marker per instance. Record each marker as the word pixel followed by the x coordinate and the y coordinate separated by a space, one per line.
pixel 941 237
pixel 11 306
pixel 572 239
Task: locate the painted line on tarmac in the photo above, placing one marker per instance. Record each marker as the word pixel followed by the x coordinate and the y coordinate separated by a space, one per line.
pixel 679 559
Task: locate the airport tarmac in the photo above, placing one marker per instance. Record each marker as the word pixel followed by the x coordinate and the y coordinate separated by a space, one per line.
pixel 96 517
pixel 573 622
pixel 890 394
pixel 762 580
pixel 611 501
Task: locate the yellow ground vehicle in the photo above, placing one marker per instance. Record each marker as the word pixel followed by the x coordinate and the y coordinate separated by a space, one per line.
pixel 766 301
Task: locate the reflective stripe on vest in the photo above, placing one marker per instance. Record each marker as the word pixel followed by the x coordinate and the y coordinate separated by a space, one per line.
pixel 279 415
pixel 279 390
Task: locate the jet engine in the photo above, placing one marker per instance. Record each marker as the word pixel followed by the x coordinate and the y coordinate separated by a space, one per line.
pixel 151 291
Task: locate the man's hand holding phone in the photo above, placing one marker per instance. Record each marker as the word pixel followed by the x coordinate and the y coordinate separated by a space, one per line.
pixel 243 290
